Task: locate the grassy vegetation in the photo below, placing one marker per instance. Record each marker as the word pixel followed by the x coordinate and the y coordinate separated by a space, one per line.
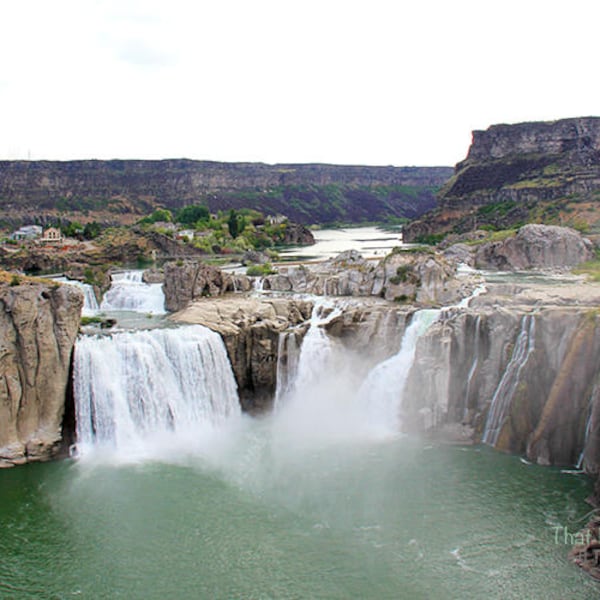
pixel 431 239
pixel 590 268
pixel 260 270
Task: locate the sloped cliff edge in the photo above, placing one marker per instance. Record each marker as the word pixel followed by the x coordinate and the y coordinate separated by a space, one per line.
pixel 38 326
pixel 542 172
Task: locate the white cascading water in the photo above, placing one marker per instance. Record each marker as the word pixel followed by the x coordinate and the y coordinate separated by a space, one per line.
pixel 381 392
pixel 287 368
pixel 474 364
pixel 133 386
pixel 588 428
pixel 315 352
pixel 510 379
pixel 129 292
pixel 90 304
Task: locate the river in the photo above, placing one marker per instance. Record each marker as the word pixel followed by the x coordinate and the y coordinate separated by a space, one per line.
pixel 175 494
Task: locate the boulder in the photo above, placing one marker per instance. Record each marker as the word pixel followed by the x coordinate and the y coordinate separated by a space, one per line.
pixel 536 247
pixel 185 281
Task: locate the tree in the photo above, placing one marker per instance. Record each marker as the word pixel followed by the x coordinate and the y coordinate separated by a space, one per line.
pixel 188 215
pixel 91 230
pixel 232 224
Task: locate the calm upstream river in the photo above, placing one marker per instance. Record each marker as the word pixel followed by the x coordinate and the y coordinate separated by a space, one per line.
pixel 369 241
pixel 264 511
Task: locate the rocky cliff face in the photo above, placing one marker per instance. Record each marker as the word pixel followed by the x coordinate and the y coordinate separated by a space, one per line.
pixel 186 281
pixel 524 380
pixel 305 193
pixel 38 326
pixel 541 172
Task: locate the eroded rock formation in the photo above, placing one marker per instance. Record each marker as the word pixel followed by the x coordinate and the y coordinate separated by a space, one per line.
pixel 424 278
pixel 186 281
pixel 38 326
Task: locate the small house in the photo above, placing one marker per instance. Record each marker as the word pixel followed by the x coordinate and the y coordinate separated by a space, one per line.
pixel 52 235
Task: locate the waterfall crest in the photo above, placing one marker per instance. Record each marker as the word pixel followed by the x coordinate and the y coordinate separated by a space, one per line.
pixel 129 292
pixel 510 379
pixel 133 385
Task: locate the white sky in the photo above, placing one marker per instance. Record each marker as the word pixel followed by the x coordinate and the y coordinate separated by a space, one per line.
pixel 340 81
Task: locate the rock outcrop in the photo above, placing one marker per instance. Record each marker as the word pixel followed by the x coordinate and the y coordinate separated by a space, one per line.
pixel 529 172
pixel 38 326
pixel 536 247
pixel 425 278
pixel 250 328
pixel 186 281
pixel 296 234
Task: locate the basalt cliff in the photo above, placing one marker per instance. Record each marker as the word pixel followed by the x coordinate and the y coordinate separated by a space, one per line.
pixel 122 190
pixel 541 172
pixel 38 325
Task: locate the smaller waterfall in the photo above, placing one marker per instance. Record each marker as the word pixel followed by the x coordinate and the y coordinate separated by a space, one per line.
pixel 288 356
pixel 129 292
pixel 90 304
pixel 588 428
pixel 505 391
pixel 382 390
pixel 474 365
pixel 312 362
pixel 135 385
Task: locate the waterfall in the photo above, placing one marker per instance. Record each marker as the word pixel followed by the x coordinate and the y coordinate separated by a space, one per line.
pixel 588 428
pixel 133 385
pixel 381 392
pixel 259 284
pixel 505 391
pixel 90 304
pixel 474 365
pixel 129 292
pixel 315 352
pixel 288 357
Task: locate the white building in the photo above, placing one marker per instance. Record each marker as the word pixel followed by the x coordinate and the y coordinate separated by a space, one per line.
pixel 28 232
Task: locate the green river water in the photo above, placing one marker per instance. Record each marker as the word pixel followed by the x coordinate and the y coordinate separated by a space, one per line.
pixel 257 512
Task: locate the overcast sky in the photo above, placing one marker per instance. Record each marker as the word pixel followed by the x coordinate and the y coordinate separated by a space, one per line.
pixel 370 82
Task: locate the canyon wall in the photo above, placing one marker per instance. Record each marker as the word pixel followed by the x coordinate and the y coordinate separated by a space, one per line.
pixel 305 193
pixel 528 172
pixel 38 326
pixel 524 379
